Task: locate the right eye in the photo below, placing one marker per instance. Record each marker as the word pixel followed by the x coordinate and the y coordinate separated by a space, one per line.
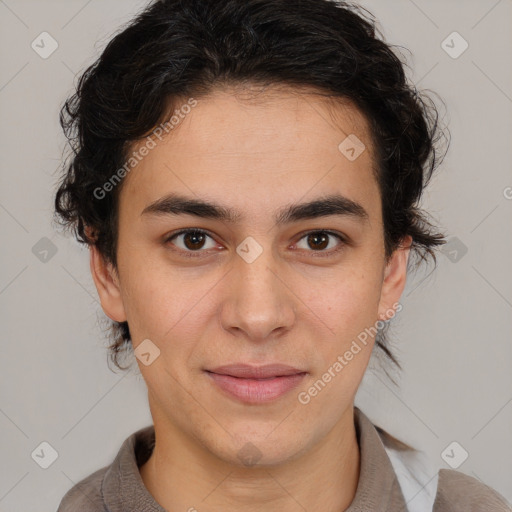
pixel 190 240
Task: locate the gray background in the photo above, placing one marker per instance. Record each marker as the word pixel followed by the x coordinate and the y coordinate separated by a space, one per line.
pixel 453 335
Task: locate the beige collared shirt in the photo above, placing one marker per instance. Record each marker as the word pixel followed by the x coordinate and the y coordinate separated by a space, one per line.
pixel 119 486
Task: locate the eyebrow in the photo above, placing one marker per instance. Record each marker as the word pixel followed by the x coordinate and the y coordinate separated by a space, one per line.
pixel 334 204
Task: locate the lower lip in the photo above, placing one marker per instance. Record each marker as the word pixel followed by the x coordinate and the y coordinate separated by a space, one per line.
pixel 253 391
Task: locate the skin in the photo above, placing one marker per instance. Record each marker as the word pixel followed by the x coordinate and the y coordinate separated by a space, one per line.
pixel 290 305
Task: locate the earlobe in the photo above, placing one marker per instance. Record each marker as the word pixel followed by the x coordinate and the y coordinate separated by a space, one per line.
pixel 395 275
pixel 107 284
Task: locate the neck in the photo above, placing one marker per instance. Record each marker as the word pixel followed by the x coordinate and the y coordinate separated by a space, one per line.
pixel 181 475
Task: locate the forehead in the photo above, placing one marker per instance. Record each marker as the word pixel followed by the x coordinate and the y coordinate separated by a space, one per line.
pixel 239 120
pixel 258 147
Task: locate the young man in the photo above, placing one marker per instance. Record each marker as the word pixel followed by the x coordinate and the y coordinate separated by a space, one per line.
pixel 247 177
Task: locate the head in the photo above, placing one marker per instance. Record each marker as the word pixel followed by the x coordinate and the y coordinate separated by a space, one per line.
pixel 247 178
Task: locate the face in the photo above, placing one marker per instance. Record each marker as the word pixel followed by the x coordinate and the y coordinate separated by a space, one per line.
pixel 265 274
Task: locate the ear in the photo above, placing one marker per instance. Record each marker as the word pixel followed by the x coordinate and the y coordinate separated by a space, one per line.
pixel 394 279
pixel 107 284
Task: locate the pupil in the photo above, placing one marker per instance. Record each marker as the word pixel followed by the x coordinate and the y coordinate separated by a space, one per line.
pixel 314 238
pixel 196 238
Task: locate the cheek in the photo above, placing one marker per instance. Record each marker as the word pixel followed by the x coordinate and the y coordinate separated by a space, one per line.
pixel 171 307
pixel 350 309
pixel 155 301
pixel 348 302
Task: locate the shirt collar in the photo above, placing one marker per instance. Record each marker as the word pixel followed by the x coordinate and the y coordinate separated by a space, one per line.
pixel 122 488
pixel 378 488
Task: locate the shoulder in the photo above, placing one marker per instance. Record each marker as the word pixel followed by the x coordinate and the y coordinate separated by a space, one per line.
pixel 447 491
pixel 107 488
pixel 86 495
pixel 425 487
pixel 457 491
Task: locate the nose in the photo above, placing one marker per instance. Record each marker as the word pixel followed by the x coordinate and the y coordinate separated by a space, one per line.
pixel 258 301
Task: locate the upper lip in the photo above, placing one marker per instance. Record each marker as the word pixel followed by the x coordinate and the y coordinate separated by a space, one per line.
pixel 246 371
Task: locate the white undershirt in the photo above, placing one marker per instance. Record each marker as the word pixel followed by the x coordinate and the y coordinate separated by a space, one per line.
pixel 417 477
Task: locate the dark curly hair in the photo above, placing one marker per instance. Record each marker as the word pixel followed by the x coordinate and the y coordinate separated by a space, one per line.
pixel 176 49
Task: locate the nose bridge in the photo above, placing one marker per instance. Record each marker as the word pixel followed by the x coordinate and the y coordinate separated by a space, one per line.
pixel 258 302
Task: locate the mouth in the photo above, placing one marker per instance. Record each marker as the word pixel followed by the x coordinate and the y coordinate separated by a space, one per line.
pixel 256 385
pixel 246 371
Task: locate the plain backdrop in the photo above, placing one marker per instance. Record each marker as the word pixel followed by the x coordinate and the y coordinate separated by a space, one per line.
pixel 453 335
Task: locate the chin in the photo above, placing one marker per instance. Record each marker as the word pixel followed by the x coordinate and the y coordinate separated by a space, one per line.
pixel 259 450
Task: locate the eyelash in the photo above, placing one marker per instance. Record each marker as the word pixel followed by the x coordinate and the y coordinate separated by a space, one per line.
pixel 321 253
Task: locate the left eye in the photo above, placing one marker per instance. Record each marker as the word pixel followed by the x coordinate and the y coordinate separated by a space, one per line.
pixel 319 240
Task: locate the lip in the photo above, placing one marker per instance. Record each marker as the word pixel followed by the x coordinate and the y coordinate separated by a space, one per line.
pixel 247 371
pixel 256 384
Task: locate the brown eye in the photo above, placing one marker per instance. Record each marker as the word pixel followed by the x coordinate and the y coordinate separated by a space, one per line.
pixel 319 241
pixel 191 240
pixel 194 240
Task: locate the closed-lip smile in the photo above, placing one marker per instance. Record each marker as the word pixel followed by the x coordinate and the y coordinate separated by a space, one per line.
pixel 256 384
